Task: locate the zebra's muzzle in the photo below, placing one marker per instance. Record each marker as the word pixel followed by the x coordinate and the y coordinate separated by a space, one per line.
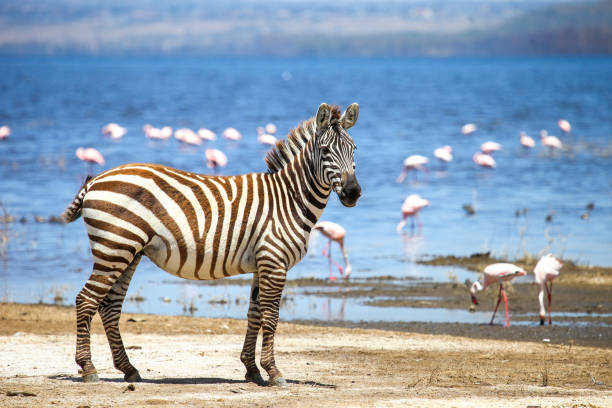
pixel 350 190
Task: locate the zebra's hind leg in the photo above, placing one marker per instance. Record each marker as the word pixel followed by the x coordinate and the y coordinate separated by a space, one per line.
pixel 88 300
pixel 250 340
pixel 110 312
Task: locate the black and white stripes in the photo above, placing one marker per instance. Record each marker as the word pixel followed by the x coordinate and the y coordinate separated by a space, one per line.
pixel 208 227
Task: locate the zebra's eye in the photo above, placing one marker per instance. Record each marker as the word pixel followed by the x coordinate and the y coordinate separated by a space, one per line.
pixel 325 150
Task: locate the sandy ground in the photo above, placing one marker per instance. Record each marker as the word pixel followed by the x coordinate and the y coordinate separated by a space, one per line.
pixel 195 362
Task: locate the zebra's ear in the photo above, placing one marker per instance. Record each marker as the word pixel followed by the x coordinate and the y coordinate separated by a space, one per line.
pixel 323 116
pixel 349 117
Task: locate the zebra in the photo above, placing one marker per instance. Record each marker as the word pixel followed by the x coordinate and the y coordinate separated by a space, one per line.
pixel 205 227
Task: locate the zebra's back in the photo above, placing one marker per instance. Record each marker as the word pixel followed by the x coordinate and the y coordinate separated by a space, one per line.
pixel 191 225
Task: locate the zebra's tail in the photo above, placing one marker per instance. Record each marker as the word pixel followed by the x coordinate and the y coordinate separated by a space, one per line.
pixel 74 209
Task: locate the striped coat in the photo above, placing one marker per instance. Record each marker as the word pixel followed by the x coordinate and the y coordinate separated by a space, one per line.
pixel 208 227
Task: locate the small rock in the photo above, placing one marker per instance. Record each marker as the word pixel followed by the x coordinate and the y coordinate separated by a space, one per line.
pixel 546 340
pixel 130 387
pixel 167 300
pixel 20 394
pixel 135 320
pixel 133 348
pixel 472 308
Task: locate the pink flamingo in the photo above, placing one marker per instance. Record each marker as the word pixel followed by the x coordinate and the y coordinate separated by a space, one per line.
pixel 90 155
pixel 187 136
pixel 414 162
pixel 271 128
pixel 232 134
pixel 215 158
pixel 468 128
pixel 484 160
pixel 444 154
pixel 114 131
pixel 526 141
pixel 265 138
pixel 546 270
pixel 552 142
pixel 156 133
pixel 564 125
pixel 410 208
pixel 490 147
pixel 336 233
pixel 5 132
pixel 497 273
pixel 207 134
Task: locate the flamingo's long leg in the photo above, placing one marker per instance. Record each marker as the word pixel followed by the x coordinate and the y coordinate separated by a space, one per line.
pixel 503 292
pixel 549 302
pixel 497 305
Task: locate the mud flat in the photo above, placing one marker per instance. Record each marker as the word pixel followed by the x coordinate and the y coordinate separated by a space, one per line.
pixel 195 362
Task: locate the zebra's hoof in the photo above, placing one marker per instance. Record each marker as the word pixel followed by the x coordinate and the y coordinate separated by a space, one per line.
pixel 134 376
pixel 278 382
pixel 91 377
pixel 255 378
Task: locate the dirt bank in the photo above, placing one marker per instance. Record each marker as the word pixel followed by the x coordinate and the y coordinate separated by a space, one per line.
pixel 195 361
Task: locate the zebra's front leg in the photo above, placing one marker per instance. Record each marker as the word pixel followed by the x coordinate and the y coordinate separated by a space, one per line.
pixel 270 292
pixel 250 340
pixel 110 312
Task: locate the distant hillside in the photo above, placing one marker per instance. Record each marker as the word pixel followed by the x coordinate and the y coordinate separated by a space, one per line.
pixel 314 28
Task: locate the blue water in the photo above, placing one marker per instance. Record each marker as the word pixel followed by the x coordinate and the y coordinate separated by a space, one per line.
pixel 407 106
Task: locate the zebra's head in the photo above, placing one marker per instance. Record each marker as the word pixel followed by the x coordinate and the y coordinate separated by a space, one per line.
pixel 334 150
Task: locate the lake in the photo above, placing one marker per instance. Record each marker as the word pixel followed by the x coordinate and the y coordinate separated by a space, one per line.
pixel 407 106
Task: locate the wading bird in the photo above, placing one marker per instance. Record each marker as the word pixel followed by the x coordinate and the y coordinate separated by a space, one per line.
pixel 187 136
pixel 215 158
pixel 232 134
pixel 413 162
pixel 410 208
pixel 564 125
pixel 444 154
pixel 484 160
pixel 5 132
pixel 207 134
pixel 546 270
pixel 490 147
pixel 114 131
pixel 468 128
pixel 552 142
pixel 526 141
pixel 90 155
pixel 336 233
pixel 497 273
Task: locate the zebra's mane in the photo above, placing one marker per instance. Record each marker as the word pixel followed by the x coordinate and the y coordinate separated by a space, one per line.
pixel 286 150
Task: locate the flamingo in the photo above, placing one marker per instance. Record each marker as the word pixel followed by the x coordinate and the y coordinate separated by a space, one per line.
pixel 156 133
pixel 468 128
pixel 90 155
pixel 114 131
pixel 207 134
pixel 265 138
pixel 546 270
pixel 526 141
pixel 271 128
pixel 187 136
pixel 410 208
pixel 334 232
pixel 497 273
pixel 564 125
pixel 444 154
pixel 490 147
pixel 165 132
pixel 232 134
pixel 5 132
pixel 552 142
pixel 414 162
pixel 215 158
pixel 484 160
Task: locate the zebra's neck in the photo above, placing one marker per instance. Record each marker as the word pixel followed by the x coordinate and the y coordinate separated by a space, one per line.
pixel 307 194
